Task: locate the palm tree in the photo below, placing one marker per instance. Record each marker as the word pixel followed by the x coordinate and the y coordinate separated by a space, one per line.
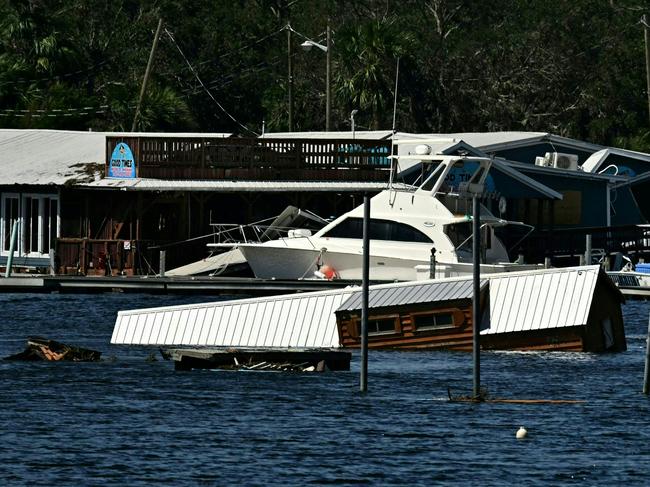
pixel 366 55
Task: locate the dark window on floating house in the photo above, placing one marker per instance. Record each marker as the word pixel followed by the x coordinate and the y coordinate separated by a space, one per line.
pixel 433 321
pixel 379 326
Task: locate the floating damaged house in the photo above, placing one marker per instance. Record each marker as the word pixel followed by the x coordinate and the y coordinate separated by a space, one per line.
pixel 572 309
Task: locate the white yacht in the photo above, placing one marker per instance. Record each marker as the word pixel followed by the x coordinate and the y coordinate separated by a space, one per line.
pixel 406 224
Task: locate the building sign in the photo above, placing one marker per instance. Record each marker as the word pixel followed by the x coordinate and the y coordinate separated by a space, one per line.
pixel 462 174
pixel 122 163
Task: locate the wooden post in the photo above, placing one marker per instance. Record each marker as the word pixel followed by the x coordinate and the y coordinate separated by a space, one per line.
pixel 476 304
pixel 146 76
pixel 588 249
pixel 432 264
pixel 12 247
pixel 162 263
pixel 327 77
pixel 646 372
pixel 646 37
pixel 289 78
pixel 363 385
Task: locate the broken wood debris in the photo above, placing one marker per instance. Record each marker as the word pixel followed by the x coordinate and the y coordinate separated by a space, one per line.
pixel 484 397
pixel 259 360
pixel 42 349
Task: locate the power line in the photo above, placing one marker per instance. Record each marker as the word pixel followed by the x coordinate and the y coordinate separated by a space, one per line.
pixel 57 77
pixel 56 112
pixel 196 75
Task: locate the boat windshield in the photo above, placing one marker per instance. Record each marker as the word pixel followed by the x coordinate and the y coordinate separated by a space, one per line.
pixel 378 230
pixel 460 235
pixel 459 232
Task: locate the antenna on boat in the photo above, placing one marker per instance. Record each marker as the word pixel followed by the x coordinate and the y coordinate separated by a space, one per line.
pixel 393 164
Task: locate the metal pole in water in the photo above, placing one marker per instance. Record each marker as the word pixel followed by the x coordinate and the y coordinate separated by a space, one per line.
pixel 432 264
pixel 163 254
pixel 12 246
pixel 476 310
pixel 363 383
pixel 646 372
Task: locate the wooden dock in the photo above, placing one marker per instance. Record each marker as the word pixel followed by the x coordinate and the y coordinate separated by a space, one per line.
pixel 162 285
pixel 304 360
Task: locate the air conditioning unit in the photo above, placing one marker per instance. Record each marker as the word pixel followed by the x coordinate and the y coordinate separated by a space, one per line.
pixel 561 161
pixel 540 161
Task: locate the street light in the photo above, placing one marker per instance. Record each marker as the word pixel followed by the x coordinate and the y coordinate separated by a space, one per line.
pixel 307 45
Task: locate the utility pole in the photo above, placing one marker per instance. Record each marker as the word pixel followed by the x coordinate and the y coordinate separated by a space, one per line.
pixel 327 76
pixel 290 78
pixel 646 36
pixel 146 75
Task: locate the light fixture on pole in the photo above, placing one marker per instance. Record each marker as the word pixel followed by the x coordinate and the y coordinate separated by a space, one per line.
pixel 307 45
pixel 352 114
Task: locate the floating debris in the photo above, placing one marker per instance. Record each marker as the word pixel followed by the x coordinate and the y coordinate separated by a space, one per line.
pixel 260 360
pixel 42 349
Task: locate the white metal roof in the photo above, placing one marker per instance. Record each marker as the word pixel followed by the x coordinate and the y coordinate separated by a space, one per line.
pixel 595 162
pixel 549 298
pixel 222 185
pixel 49 156
pixel 280 322
pixel 57 157
pixel 380 296
pixel 358 134
pixel 519 301
pixel 570 173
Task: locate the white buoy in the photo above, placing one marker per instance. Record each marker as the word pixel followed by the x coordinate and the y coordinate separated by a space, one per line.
pixel 521 433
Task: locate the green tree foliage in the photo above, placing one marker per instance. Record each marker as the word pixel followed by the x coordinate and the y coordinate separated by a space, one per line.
pixel 572 68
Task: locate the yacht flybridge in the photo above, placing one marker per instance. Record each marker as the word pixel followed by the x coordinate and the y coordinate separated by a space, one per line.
pixel 407 224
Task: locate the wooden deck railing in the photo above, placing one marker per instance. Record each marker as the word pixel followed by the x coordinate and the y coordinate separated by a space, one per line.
pixel 257 159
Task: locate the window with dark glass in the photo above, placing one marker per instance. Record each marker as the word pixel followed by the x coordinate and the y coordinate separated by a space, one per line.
pixel 378 230
pixel 378 326
pixel 433 321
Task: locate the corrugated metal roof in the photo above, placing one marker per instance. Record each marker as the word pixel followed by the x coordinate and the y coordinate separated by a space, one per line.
pixel 550 298
pixel 220 185
pixel 519 301
pixel 49 156
pixel 358 134
pixel 290 321
pixel 384 295
pixel 596 161
pixel 531 300
pixel 44 157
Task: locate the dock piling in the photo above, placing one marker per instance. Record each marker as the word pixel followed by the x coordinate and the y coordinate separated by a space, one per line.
pixel 476 304
pixel 363 381
pixel 12 246
pixel 432 264
pixel 646 372
pixel 163 254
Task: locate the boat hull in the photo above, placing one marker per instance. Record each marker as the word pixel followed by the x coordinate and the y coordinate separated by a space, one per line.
pixel 303 259
pixel 272 262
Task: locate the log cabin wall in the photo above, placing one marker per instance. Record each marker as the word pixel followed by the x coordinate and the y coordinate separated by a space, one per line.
pixel 425 326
